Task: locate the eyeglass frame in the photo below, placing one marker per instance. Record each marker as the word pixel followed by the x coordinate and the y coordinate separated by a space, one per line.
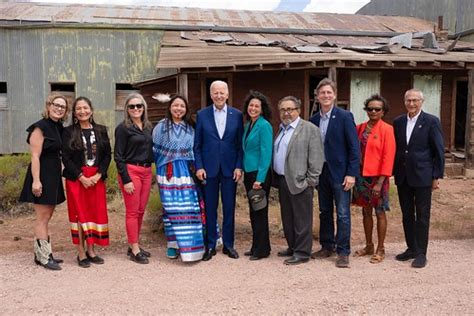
pixel 59 106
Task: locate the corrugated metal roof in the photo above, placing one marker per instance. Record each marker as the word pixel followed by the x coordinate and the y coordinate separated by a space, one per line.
pixel 187 50
pixel 123 15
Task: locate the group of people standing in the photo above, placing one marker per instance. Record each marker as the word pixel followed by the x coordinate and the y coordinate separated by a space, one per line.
pixel 197 163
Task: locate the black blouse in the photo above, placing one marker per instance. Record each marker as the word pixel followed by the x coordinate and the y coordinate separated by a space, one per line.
pixel 132 145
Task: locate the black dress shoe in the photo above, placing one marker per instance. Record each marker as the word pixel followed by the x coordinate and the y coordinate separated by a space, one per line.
pixel 285 253
pixel 295 260
pixel 404 256
pixel 84 263
pixel 50 265
pixel 253 258
pixel 248 253
pixel 144 252
pixel 139 258
pixel 208 254
pixel 419 262
pixel 96 259
pixel 231 252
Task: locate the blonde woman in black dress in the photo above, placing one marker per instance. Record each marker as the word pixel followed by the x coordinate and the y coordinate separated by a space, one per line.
pixel 43 183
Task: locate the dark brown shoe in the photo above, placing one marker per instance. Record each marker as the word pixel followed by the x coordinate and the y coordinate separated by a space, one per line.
pixel 342 261
pixel 322 253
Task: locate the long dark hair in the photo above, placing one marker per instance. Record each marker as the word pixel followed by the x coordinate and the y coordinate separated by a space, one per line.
pixel 266 109
pixel 186 118
pixel 76 137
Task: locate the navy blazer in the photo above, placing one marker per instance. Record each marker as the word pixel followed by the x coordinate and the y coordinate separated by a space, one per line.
pixel 341 144
pixel 213 153
pixel 422 159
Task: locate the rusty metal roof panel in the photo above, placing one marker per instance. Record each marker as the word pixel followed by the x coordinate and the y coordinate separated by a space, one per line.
pixel 117 14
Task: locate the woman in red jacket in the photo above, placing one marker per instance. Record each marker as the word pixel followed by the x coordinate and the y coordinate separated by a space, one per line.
pixel 371 191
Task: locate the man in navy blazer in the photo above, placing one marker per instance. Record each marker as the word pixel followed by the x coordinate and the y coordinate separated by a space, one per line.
pixel 419 163
pixel 341 166
pixel 218 157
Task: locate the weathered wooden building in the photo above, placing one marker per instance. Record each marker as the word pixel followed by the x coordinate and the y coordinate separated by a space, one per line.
pixel 277 53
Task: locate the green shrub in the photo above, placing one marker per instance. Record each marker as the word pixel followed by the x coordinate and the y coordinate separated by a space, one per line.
pixel 12 175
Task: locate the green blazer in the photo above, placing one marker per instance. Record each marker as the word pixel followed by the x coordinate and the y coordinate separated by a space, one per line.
pixel 258 148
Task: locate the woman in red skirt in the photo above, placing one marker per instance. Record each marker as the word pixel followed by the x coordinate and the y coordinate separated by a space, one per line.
pixel 86 158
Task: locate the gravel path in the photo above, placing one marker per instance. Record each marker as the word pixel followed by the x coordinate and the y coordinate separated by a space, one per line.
pixel 223 285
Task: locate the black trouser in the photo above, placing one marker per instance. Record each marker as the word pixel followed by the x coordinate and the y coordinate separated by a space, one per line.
pixel 297 218
pixel 415 203
pixel 259 219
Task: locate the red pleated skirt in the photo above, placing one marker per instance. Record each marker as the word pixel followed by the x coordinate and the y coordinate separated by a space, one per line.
pixel 88 208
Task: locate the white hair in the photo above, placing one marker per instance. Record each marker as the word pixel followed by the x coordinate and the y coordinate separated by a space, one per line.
pixel 415 90
pixel 218 82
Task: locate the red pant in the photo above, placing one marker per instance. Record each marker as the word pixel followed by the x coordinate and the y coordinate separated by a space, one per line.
pixel 136 202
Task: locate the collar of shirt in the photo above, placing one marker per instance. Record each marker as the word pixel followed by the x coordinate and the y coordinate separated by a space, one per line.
pixel 327 114
pixel 224 109
pixel 292 124
pixel 414 118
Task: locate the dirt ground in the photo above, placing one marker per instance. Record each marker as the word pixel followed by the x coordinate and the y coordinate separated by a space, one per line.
pixel 223 285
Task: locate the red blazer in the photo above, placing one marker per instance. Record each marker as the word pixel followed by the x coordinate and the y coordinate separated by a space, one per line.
pixel 379 153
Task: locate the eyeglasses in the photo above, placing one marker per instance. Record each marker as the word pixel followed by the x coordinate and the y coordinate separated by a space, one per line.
pixel 288 110
pixel 373 109
pixel 59 106
pixel 412 100
pixel 134 106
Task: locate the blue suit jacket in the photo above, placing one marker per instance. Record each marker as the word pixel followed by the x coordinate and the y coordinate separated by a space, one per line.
pixel 213 153
pixel 341 144
pixel 422 159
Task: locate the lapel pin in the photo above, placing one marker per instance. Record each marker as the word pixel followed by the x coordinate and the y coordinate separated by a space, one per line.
pixel 419 126
pixel 333 116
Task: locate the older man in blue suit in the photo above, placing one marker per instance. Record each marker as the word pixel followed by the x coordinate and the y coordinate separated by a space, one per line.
pixel 342 155
pixel 218 155
pixel 419 163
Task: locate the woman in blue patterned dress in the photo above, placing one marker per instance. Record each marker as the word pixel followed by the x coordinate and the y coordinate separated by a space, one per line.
pixel 173 139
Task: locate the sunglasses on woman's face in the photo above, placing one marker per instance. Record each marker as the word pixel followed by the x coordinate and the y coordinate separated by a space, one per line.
pixel 373 109
pixel 134 106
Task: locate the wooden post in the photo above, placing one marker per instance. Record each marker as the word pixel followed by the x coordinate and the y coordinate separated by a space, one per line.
pixel 470 124
pixel 183 85
pixel 332 74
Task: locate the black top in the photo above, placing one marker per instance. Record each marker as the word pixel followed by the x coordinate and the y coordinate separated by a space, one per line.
pixel 74 159
pixel 132 145
pixel 50 166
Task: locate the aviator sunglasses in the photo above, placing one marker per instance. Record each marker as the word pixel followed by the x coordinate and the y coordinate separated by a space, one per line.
pixel 134 106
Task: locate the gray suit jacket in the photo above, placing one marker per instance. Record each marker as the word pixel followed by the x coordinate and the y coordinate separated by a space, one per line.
pixel 304 157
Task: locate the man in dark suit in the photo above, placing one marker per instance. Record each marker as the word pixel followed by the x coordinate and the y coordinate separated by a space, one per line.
pixel 342 155
pixel 218 155
pixel 419 163
pixel 297 163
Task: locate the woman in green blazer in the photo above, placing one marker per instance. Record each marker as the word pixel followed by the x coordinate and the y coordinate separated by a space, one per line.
pixel 257 146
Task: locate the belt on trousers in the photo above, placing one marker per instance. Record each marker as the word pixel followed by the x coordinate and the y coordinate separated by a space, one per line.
pixel 140 164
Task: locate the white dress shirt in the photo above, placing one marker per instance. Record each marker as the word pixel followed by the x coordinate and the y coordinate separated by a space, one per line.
pixel 411 122
pixel 220 117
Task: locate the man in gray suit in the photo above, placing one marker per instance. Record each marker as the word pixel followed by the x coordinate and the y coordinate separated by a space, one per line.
pixel 297 163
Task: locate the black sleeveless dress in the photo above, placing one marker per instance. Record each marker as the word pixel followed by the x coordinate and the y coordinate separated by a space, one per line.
pixel 50 166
